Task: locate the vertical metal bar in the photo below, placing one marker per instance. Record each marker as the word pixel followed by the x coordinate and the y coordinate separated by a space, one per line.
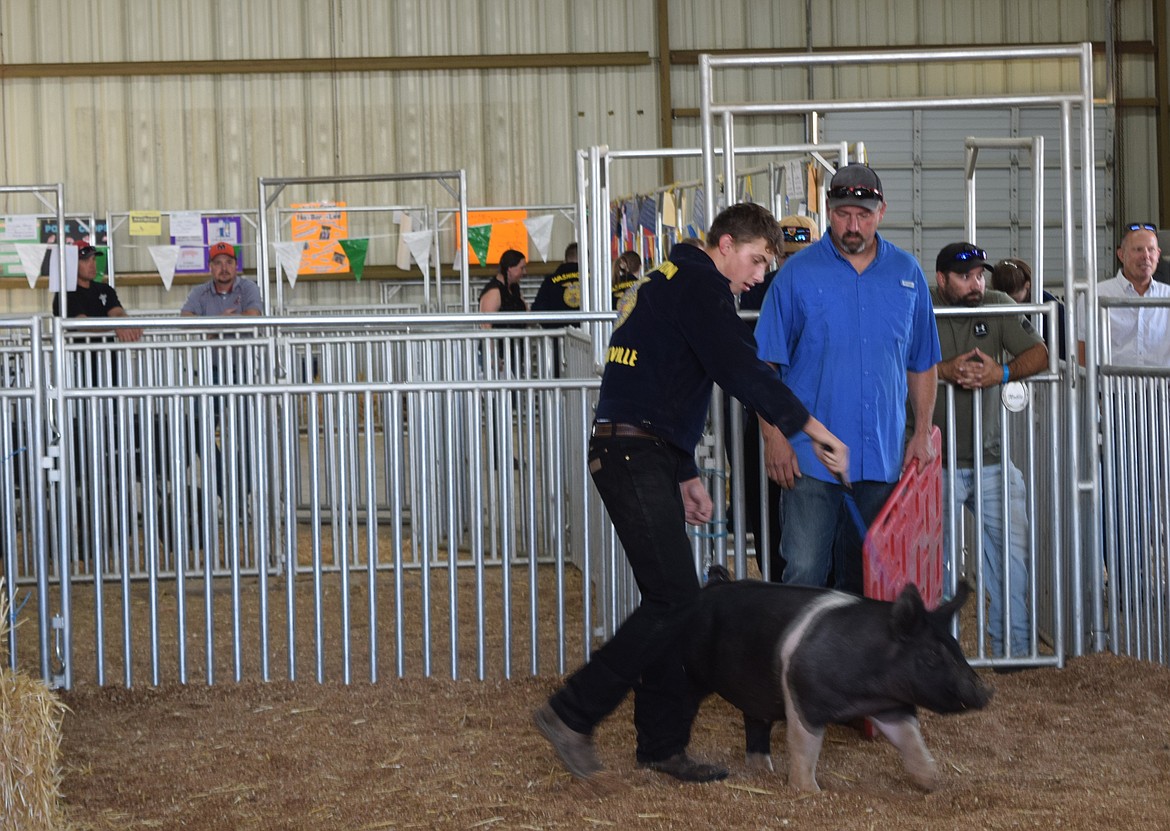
pixel 371 532
pixel 96 542
pixel 394 437
pixel 706 137
pixel 345 444
pixel 1089 242
pixel 585 255
pixel 209 532
pixel 48 409
pixel 452 533
pixel 262 509
pixel 595 535
pixel 291 462
pixel 124 500
pixel 315 535
pixel 532 546
pixel 181 529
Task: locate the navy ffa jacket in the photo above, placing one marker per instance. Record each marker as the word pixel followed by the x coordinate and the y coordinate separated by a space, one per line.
pixel 678 331
pixel 560 291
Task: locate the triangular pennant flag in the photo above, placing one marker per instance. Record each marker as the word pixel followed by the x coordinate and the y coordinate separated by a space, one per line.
pixel 648 213
pixel 70 268
pixel 165 257
pixel 288 255
pixel 540 230
pixel 355 249
pixel 32 256
pixel 669 214
pixel 478 237
pixel 405 226
pixel 419 243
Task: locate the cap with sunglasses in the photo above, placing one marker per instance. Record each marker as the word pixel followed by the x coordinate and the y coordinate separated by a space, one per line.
pixel 856 184
pixel 799 232
pixel 961 257
pixel 85 250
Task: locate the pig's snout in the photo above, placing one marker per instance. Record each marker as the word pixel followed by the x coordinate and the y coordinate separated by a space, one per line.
pixel 977 694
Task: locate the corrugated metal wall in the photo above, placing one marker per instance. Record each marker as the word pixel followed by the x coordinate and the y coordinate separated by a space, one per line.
pixel 198 141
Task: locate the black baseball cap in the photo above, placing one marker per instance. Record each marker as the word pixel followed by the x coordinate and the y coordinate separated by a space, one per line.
pixel 961 257
pixel 856 184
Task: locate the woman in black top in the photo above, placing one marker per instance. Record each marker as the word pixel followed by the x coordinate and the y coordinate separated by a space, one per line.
pixel 502 292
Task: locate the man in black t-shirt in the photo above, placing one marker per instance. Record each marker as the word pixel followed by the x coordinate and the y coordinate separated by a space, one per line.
pixel 93 299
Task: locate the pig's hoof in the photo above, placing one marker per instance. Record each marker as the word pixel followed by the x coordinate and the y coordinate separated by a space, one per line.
pixel 760 763
pixel 807 785
pixel 925 775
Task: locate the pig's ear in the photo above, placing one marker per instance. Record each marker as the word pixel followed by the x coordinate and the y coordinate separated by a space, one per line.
pixel 949 609
pixel 908 613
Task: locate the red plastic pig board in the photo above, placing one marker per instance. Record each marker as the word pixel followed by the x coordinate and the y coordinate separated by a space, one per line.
pixel 904 543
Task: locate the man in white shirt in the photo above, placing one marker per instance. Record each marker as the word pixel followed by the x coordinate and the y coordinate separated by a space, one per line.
pixel 1137 337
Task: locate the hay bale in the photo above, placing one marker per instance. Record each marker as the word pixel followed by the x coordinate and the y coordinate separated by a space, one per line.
pixel 30 743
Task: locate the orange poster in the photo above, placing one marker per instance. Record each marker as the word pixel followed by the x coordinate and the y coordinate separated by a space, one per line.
pixel 508 231
pixel 319 225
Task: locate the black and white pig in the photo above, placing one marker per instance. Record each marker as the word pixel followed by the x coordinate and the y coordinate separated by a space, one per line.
pixel 818 656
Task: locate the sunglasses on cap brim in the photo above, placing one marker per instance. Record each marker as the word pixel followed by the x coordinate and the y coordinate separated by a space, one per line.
pixel 844 192
pixel 973 254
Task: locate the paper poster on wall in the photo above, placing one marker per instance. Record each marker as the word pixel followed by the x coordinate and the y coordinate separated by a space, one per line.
pixel 320 225
pixel 204 232
pixel 15 230
pixel 145 224
pixel 93 231
pixel 507 231
pixel 187 234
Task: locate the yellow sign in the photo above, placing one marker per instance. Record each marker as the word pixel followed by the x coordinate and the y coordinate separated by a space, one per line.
pixel 145 224
pixel 319 225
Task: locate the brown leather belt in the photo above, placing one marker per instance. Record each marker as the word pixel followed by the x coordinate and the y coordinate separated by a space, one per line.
pixel 609 429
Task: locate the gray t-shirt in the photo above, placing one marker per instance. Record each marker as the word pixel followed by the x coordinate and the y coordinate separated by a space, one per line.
pixel 992 335
pixel 205 301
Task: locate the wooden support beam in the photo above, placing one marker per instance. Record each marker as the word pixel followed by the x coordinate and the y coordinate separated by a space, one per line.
pixel 285 66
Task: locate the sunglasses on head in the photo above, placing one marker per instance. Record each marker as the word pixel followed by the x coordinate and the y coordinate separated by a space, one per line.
pixel 973 254
pixel 854 192
pixel 1141 226
pixel 797 233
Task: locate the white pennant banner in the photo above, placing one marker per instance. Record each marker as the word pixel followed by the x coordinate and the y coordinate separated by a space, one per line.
pixel 419 243
pixel 288 255
pixel 540 229
pixel 32 255
pixel 405 225
pixel 165 257
pixel 70 268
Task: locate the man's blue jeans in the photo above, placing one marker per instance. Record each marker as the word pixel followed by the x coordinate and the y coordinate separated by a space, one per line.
pixel 815 518
pixel 993 561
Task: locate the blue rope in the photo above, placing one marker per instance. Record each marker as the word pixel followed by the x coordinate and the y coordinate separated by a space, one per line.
pixel 13 613
pixel 14 452
pixel 855 514
pixel 710 535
